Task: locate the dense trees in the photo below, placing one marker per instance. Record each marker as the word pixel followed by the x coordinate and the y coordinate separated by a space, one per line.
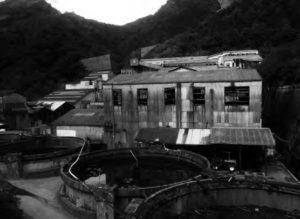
pixel 270 26
pixel 40 47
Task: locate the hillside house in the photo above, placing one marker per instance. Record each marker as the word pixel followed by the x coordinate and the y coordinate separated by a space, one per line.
pixel 204 99
pixel 99 69
pixel 9 102
pixel 92 81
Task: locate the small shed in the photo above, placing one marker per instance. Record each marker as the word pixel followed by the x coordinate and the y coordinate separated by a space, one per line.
pixel 83 123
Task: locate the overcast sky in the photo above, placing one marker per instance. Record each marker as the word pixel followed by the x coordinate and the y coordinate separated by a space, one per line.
pixel 109 11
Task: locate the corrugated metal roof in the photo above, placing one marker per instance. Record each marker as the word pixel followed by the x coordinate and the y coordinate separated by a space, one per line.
pixel 231 136
pixel 175 136
pixel 54 106
pixel 193 137
pixel 81 117
pixel 219 75
pixel 242 136
pixel 70 96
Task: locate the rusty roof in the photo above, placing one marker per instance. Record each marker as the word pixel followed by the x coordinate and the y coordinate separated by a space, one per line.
pixel 242 136
pixel 81 117
pixel 226 135
pixel 70 96
pixel 161 77
pixel 175 136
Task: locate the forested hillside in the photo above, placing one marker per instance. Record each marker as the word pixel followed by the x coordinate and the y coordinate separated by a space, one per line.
pixel 40 47
pixel 270 26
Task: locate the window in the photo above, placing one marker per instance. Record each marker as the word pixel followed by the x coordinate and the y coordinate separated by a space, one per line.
pixel 236 95
pixel 142 95
pixel 90 82
pixel 199 95
pixel 117 97
pixel 169 96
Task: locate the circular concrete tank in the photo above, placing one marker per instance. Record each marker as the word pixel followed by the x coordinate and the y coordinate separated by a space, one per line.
pixel 30 156
pixel 127 175
pixel 222 198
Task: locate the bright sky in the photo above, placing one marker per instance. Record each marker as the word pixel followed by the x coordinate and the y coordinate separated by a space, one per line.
pixel 109 11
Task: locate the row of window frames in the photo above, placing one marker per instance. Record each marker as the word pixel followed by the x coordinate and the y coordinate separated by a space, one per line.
pixel 233 96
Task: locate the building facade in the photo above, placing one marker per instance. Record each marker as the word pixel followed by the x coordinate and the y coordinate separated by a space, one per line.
pixel 181 99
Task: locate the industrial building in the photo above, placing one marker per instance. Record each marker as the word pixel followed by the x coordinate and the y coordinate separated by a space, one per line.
pixel 182 99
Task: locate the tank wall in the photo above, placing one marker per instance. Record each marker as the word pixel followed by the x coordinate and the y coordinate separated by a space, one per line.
pixel 36 156
pixel 78 194
pixel 187 197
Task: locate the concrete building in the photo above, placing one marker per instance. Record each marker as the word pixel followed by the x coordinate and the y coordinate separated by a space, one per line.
pixel 82 123
pixel 181 99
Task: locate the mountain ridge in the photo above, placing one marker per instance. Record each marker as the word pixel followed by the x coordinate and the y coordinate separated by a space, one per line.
pixel 39 43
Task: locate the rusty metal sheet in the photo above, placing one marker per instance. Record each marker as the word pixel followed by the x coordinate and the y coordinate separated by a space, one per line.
pixel 242 136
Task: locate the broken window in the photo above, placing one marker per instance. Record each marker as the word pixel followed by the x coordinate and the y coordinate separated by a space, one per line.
pixel 142 96
pixel 199 95
pixel 169 96
pixel 117 97
pixel 236 95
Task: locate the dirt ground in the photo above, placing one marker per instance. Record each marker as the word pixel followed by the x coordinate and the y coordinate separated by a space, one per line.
pixel 46 204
